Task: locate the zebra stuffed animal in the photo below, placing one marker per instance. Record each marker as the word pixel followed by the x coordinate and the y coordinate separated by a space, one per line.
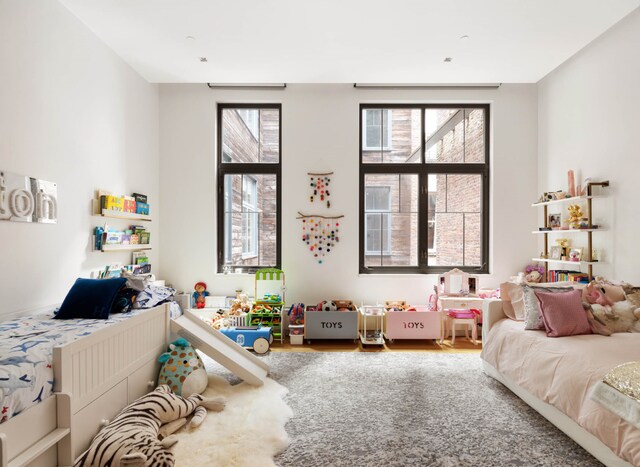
pixel 131 439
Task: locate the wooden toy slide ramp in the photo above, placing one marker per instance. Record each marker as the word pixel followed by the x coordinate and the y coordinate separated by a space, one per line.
pixel 223 350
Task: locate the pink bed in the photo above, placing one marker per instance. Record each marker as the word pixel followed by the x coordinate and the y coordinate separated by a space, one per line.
pixel 562 372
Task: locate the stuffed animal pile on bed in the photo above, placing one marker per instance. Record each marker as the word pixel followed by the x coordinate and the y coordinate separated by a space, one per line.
pixel 618 312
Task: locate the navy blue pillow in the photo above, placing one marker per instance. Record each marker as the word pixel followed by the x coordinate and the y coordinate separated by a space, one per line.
pixel 90 298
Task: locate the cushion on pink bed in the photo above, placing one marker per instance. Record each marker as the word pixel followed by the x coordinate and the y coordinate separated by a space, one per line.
pixel 563 314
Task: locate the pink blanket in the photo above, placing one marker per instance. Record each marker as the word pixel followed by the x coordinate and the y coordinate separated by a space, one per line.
pixel 561 371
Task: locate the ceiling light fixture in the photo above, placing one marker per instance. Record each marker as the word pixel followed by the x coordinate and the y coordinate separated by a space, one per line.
pixel 247 85
pixel 464 37
pixel 190 38
pixel 448 59
pixel 436 86
pixel 203 59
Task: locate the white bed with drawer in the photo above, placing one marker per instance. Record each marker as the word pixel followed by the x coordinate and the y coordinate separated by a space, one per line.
pixel 96 372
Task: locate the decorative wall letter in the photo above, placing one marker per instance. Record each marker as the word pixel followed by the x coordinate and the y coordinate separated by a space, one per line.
pixel 27 199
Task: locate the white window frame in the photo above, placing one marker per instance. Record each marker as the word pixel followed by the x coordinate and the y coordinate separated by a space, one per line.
pixel 387 126
pixel 384 217
pixel 251 222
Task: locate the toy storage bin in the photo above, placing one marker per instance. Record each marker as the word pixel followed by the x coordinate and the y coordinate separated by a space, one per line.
pixel 412 324
pixel 330 325
pixel 296 334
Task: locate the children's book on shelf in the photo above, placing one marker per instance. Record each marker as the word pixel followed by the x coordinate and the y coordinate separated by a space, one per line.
pixel 134 204
pixel 563 275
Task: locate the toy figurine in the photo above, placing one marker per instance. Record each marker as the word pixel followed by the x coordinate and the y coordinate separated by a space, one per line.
pixel 199 294
pixel 575 216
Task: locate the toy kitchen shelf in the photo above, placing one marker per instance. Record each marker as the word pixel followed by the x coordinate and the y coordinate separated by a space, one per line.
pixel 588 230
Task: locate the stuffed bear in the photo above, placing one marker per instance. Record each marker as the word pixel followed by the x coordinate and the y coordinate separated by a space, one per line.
pixel 182 369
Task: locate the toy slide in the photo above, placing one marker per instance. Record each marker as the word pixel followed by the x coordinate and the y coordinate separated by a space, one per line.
pixel 223 350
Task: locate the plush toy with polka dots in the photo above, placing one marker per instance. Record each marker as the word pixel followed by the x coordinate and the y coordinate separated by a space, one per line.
pixel 182 369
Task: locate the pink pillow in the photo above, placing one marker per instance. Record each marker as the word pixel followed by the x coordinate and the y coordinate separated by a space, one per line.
pixel 563 314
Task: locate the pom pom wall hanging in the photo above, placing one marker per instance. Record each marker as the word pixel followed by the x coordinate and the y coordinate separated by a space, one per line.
pixel 319 184
pixel 320 234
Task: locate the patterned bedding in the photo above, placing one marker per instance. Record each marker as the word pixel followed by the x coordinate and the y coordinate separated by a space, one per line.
pixel 26 355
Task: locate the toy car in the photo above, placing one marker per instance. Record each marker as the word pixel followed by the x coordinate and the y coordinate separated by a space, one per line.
pixel 258 338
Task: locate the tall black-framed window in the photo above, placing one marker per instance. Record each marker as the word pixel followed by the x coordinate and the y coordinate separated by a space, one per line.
pixel 424 187
pixel 249 167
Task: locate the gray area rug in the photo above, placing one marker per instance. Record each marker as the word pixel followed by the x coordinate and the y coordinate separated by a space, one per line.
pixel 401 409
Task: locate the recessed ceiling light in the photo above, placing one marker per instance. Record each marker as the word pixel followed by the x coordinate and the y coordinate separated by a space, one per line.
pixel 203 59
pixel 464 37
pixel 448 59
pixel 190 38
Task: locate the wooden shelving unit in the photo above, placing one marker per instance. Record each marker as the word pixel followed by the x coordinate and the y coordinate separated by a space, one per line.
pixel 589 230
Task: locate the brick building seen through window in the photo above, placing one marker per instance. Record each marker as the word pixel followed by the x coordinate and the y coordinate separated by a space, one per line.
pixel 249 172
pixel 424 188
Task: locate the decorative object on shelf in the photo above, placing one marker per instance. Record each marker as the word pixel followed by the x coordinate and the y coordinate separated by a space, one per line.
pixel 27 199
pixel 552 196
pixel 319 183
pixel 555 252
pixel 575 216
pixel 534 273
pixel 595 255
pixel 564 243
pixel 320 233
pixel 554 221
pixel 575 254
pixel 199 294
pixel 571 184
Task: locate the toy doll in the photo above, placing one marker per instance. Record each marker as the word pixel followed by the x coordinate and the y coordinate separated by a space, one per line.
pixel 199 294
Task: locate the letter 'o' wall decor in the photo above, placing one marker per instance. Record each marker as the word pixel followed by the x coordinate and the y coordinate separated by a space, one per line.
pixel 27 199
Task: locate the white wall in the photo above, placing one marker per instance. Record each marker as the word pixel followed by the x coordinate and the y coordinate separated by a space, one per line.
pixel 588 121
pixel 74 113
pixel 320 132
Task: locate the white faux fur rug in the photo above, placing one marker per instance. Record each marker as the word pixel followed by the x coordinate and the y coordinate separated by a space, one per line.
pixel 248 432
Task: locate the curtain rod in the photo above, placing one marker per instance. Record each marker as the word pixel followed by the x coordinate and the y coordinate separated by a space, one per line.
pixel 426 86
pixel 247 85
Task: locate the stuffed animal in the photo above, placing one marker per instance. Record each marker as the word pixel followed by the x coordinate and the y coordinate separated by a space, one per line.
pixel 344 305
pixel 182 369
pixel 327 305
pixel 200 294
pixel 622 317
pixel 132 438
pixel 595 295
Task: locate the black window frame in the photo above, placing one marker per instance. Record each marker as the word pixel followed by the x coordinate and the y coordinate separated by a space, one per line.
pixel 241 168
pixel 423 169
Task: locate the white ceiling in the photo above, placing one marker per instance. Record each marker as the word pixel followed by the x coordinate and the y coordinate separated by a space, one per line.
pixel 374 41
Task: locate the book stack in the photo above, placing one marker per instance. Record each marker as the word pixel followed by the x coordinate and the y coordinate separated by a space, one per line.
pixel 134 204
pixel 562 275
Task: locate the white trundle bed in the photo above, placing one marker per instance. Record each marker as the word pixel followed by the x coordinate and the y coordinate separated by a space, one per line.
pixel 519 358
pixel 94 378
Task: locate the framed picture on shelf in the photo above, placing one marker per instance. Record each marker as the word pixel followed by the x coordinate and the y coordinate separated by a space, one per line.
pixel 555 252
pixel 575 254
pixel 554 221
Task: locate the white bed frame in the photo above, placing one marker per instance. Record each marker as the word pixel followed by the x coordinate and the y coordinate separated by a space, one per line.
pixel 95 377
pixel 492 312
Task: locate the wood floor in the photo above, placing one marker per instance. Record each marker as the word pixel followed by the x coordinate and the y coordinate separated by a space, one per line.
pixel 462 345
